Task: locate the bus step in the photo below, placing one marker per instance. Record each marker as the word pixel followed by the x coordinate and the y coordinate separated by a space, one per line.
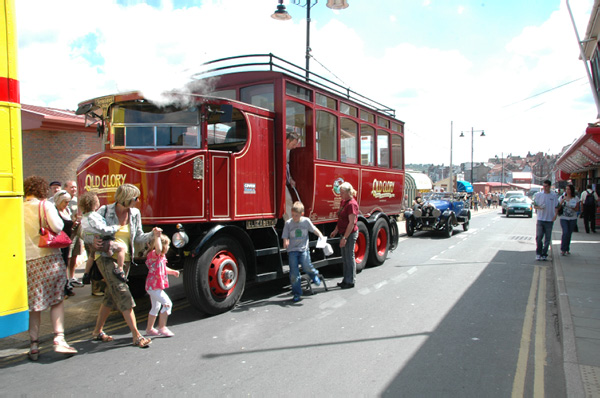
pixel 267 276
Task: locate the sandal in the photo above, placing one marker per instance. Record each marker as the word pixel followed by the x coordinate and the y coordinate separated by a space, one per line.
pixel 142 342
pixel 34 350
pixel 103 337
pixel 61 346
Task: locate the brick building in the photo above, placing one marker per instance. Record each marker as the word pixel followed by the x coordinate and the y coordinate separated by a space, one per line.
pixel 55 142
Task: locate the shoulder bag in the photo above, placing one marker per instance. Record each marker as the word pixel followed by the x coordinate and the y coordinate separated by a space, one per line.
pixel 49 239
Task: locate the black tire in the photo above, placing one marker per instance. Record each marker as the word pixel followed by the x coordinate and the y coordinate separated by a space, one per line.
pixel 410 227
pixel 380 242
pixel 466 226
pixel 214 282
pixel 361 247
pixel 448 228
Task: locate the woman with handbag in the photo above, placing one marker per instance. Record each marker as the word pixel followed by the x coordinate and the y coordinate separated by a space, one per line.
pixel 61 201
pixel 569 206
pixel 46 270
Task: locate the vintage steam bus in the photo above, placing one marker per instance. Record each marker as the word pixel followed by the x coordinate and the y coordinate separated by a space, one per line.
pixel 211 165
pixel 14 315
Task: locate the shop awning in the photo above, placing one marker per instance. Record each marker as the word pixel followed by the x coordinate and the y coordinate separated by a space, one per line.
pixel 582 155
pixel 464 186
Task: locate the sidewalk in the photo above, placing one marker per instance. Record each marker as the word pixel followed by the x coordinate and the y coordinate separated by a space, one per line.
pixel 577 281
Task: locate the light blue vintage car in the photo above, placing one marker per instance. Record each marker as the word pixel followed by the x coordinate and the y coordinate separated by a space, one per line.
pixel 438 211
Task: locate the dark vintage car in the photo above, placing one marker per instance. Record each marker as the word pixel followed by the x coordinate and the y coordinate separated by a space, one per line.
pixel 438 212
pixel 519 206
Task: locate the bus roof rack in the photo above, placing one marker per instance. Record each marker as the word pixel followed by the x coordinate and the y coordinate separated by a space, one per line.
pixel 273 63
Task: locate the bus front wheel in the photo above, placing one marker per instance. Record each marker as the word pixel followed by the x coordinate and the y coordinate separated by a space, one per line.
pixel 214 281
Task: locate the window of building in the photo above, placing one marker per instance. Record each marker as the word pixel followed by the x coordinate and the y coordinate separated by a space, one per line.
pixel 396 127
pixel 259 95
pixel 348 109
pixel 383 122
pixel 296 119
pixel 397 151
pixel 348 140
pixel 367 116
pixel 367 145
pixel 383 148
pixel 299 92
pixel 326 101
pixel 326 136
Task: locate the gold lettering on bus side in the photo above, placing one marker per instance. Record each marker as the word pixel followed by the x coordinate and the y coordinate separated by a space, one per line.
pixel 383 189
pixel 104 183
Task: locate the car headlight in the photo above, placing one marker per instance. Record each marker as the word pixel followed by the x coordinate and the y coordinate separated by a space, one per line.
pixel 180 238
pixel 436 213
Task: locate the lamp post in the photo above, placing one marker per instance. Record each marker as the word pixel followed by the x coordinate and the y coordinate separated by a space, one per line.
pixel 451 176
pixel 481 135
pixel 282 15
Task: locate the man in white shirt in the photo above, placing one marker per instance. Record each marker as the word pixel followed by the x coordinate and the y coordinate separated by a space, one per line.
pixel 545 202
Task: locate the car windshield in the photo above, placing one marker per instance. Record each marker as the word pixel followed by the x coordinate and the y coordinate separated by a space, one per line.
pixel 517 199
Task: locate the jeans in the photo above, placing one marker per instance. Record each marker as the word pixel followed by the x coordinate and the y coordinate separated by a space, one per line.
pixel 348 261
pixel 589 219
pixel 295 259
pixel 543 232
pixel 568 226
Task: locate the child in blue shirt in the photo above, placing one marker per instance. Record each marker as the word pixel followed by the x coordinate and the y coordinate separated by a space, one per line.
pixel 295 240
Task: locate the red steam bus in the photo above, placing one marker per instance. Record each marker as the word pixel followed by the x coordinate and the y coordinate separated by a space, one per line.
pixel 210 162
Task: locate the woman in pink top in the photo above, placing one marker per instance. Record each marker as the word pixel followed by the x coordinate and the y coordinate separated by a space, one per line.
pixel 156 283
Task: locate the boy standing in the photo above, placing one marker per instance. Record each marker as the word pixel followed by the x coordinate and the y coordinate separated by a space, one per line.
pixel 546 204
pixel 295 240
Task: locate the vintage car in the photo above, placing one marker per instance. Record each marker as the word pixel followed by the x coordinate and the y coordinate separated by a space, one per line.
pixel 519 206
pixel 438 212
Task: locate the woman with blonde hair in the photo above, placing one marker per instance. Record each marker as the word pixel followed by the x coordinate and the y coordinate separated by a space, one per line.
pixel 46 270
pixel 117 295
pixel 346 226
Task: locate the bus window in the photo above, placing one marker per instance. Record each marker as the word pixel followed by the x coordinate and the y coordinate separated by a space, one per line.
pixel 396 127
pixel 326 136
pixel 348 109
pixel 325 101
pixel 230 94
pixel 397 160
pixel 230 136
pixel 383 148
pixel 383 122
pixel 348 140
pixel 298 92
pixel 367 116
pixel 259 95
pixel 367 145
pixel 296 116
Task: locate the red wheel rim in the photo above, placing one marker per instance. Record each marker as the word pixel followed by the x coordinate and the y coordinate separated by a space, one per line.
pixel 382 241
pixel 223 274
pixel 360 248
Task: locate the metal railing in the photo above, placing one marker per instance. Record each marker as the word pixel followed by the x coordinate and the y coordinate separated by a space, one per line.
pixel 274 63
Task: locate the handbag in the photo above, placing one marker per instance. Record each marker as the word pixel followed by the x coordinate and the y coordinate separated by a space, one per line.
pixel 49 239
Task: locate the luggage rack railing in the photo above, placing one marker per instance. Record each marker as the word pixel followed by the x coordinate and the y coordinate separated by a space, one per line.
pixel 274 63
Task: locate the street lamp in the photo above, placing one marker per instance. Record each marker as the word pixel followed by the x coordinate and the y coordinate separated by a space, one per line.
pixel 282 15
pixel 482 135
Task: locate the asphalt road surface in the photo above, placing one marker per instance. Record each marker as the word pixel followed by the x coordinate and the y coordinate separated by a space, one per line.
pixel 468 316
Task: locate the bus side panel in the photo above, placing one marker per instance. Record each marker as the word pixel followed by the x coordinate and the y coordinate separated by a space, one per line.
pixel 254 174
pixel 220 185
pixel 327 180
pixel 382 190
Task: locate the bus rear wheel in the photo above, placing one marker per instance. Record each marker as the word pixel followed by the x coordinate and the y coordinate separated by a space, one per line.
pixel 214 282
pixel 361 247
pixel 380 242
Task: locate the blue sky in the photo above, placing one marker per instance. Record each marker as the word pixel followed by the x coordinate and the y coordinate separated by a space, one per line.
pixel 477 63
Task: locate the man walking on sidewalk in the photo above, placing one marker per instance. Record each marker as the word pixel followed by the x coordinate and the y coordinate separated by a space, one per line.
pixel 589 200
pixel 546 205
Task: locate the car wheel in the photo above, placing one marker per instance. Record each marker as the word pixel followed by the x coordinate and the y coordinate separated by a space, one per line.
pixel 448 229
pixel 410 227
pixel 214 282
pixel 361 247
pixel 380 242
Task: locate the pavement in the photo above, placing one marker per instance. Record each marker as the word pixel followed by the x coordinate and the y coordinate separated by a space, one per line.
pixel 577 282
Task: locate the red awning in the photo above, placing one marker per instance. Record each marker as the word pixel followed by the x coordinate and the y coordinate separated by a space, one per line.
pixel 582 155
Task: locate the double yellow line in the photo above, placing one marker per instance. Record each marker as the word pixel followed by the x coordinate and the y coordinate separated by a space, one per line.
pixel 538 288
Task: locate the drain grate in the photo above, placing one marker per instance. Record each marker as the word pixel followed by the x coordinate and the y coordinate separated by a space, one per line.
pixel 590 376
pixel 521 237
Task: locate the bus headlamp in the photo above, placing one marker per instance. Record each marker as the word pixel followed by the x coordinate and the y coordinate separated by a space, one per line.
pixel 180 238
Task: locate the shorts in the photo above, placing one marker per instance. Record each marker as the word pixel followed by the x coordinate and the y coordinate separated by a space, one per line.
pixel 116 295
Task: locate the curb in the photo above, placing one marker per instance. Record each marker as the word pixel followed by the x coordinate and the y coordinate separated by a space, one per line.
pixel 573 380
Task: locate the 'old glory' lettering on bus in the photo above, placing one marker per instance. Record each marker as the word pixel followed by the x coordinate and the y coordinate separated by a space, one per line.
pixel 383 189
pixel 104 183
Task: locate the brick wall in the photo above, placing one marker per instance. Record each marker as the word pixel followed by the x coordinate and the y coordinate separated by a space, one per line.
pixel 55 155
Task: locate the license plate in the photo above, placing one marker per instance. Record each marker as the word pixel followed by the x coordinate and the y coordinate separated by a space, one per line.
pixel 427 228
pixel 519 211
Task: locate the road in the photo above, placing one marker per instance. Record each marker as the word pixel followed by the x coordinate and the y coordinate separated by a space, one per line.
pixel 469 316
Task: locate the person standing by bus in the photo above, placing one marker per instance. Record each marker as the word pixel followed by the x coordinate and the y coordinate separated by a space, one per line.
pixel 46 272
pixel 546 204
pixel 347 227
pixel 292 140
